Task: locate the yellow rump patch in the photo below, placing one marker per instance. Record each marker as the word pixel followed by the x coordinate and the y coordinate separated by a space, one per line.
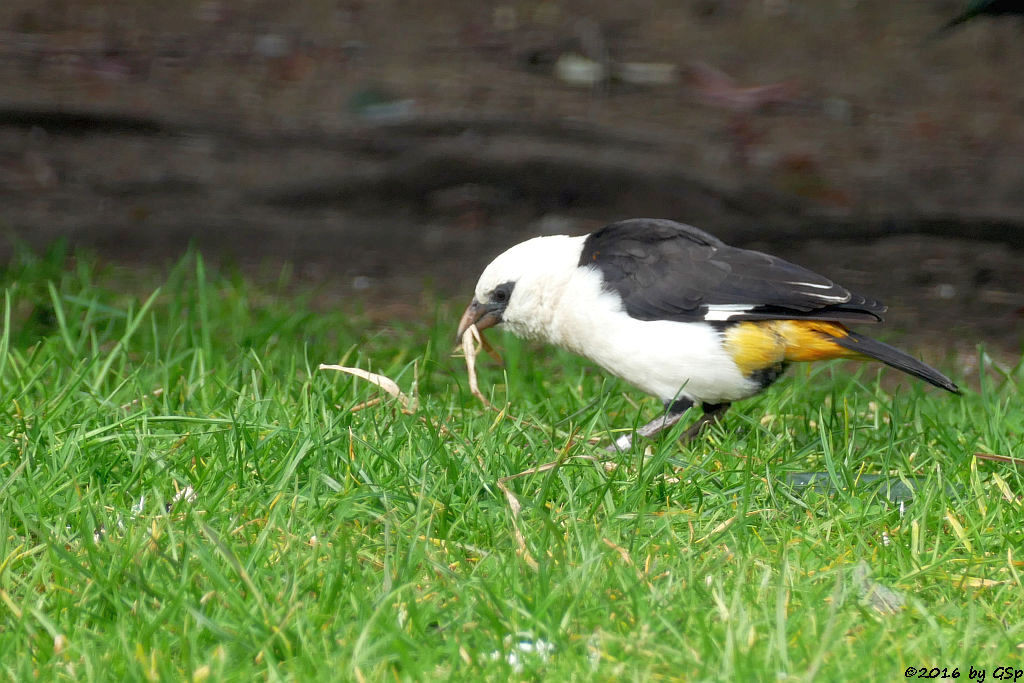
pixel 759 344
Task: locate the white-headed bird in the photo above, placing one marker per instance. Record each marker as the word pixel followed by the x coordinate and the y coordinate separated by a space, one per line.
pixel 678 313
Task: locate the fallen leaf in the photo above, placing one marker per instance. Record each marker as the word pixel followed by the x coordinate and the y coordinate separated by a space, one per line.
pixel 880 597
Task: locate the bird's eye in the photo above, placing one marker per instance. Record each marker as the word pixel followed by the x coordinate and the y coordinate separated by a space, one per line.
pixel 502 292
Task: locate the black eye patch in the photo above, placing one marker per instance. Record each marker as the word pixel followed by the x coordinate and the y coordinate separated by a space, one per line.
pixel 502 293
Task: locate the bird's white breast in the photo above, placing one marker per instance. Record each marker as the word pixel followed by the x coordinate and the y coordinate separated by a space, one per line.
pixel 667 359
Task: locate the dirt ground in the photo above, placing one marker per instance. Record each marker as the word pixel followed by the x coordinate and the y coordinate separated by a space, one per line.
pixel 389 148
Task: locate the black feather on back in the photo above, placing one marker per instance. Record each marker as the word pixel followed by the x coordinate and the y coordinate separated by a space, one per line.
pixel 665 270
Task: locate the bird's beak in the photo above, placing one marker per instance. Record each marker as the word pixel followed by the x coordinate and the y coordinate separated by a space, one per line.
pixel 481 315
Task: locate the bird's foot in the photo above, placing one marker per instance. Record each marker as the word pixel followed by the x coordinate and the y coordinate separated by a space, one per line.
pixel 674 413
pixel 712 413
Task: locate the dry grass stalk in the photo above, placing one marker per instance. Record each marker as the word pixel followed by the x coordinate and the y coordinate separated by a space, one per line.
pixel 386 383
pixel 470 339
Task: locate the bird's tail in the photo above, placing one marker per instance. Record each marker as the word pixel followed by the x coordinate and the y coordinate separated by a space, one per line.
pixel 756 345
pixel 894 358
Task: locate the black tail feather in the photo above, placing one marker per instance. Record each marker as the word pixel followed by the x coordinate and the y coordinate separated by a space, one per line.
pixel 895 358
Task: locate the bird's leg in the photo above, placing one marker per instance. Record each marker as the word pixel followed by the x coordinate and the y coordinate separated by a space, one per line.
pixel 713 412
pixel 674 412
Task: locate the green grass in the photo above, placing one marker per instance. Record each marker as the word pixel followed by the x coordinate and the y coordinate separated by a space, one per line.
pixel 314 542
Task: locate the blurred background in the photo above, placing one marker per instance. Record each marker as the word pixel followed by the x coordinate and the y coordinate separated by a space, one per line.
pixel 388 149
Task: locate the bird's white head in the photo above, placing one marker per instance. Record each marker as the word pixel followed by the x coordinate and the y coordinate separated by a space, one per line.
pixel 521 287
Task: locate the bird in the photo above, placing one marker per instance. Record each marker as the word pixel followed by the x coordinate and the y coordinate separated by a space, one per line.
pixel 976 8
pixel 678 313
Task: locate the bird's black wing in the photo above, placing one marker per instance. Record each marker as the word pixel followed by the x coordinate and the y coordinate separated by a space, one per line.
pixel 665 270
